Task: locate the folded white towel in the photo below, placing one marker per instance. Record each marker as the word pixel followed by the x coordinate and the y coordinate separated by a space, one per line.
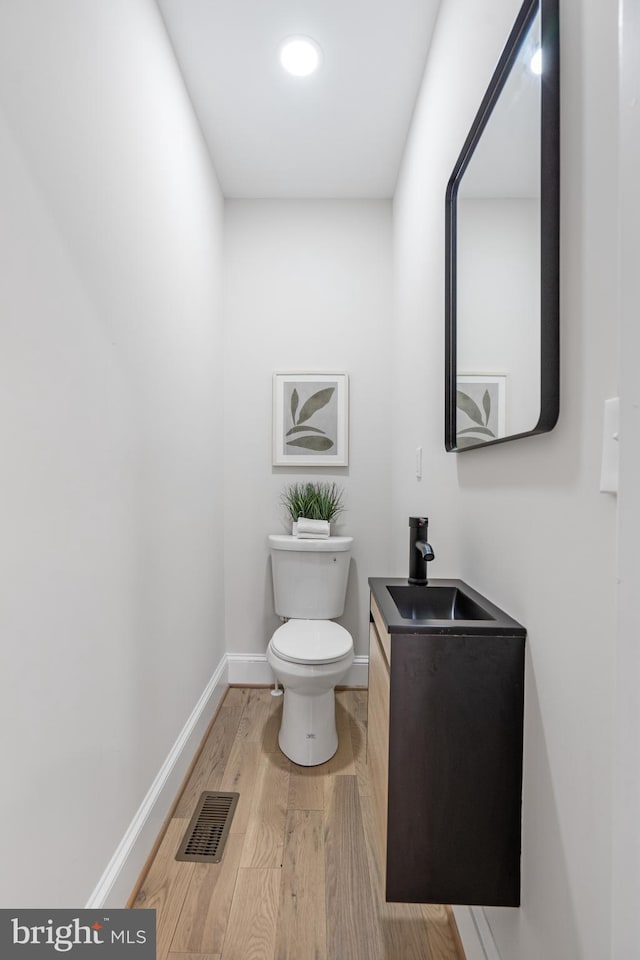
pixel 312 529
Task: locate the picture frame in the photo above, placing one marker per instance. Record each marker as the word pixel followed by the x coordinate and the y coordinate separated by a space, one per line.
pixel 481 410
pixel 310 419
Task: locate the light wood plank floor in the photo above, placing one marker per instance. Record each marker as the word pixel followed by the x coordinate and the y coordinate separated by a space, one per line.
pixel 299 879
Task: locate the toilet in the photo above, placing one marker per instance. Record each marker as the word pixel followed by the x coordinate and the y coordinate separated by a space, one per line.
pixel 309 653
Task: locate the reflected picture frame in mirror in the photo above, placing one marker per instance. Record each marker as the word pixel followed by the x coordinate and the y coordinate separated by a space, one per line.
pixel 522 310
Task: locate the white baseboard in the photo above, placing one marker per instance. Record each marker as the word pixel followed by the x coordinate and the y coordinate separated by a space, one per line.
pixel 475 933
pixel 116 883
pixel 252 668
pixel 249 668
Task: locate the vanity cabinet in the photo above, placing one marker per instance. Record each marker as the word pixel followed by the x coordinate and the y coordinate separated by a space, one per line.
pixel 378 736
pixel 444 748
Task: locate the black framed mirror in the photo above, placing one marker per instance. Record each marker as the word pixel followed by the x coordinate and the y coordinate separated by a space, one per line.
pixel 502 248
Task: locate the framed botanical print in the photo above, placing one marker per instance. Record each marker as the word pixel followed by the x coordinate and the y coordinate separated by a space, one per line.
pixel 481 408
pixel 310 419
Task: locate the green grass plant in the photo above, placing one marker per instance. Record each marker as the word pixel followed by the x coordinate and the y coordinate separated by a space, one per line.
pixel 319 500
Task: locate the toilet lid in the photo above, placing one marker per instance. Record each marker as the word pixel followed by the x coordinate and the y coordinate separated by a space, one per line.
pixel 311 641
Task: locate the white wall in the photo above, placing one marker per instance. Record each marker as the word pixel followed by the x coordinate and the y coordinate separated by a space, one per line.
pixel 110 417
pixel 308 288
pixel 524 522
pixel 626 861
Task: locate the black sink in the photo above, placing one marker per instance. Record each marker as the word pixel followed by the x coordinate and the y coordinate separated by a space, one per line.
pixel 435 603
pixel 441 607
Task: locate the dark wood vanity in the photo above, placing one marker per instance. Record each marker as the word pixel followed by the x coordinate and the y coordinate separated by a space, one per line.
pixel 445 738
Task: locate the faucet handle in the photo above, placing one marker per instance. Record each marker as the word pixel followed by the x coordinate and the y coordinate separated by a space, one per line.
pixel 418 521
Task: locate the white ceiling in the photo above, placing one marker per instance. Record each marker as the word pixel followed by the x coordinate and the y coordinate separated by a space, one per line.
pixel 339 133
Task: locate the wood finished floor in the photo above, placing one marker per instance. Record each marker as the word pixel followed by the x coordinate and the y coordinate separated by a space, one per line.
pixel 299 879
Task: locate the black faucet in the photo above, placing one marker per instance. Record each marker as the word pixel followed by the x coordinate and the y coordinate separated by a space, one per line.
pixel 420 552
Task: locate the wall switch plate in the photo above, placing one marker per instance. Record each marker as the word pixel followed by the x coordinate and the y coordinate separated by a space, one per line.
pixel 610 446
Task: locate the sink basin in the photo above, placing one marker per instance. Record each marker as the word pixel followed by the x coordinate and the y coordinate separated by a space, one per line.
pixel 435 603
pixel 440 608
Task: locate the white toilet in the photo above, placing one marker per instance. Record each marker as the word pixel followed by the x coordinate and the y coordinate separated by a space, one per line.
pixel 309 654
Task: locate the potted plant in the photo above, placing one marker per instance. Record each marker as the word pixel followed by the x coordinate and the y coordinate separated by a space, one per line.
pixel 317 500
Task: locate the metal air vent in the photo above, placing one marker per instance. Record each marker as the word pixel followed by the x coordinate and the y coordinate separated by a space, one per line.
pixel 207 832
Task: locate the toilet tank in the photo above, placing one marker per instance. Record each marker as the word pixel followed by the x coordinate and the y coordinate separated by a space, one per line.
pixel 309 576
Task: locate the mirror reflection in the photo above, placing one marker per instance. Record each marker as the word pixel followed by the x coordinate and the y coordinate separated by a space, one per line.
pixel 495 250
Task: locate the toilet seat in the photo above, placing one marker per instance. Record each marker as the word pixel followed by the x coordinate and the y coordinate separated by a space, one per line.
pixel 311 641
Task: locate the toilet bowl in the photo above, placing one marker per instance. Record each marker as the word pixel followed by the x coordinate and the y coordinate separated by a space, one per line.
pixel 310 653
pixel 309 657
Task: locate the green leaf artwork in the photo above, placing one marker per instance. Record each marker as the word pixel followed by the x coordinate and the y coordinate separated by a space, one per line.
pixel 481 431
pixel 317 400
pixel 319 444
pixel 486 405
pixel 300 429
pixel 468 406
pixel 485 430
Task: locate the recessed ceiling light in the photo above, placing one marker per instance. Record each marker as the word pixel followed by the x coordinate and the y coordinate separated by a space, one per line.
pixel 300 56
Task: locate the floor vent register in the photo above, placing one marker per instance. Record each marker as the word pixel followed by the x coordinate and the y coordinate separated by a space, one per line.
pixel 208 830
